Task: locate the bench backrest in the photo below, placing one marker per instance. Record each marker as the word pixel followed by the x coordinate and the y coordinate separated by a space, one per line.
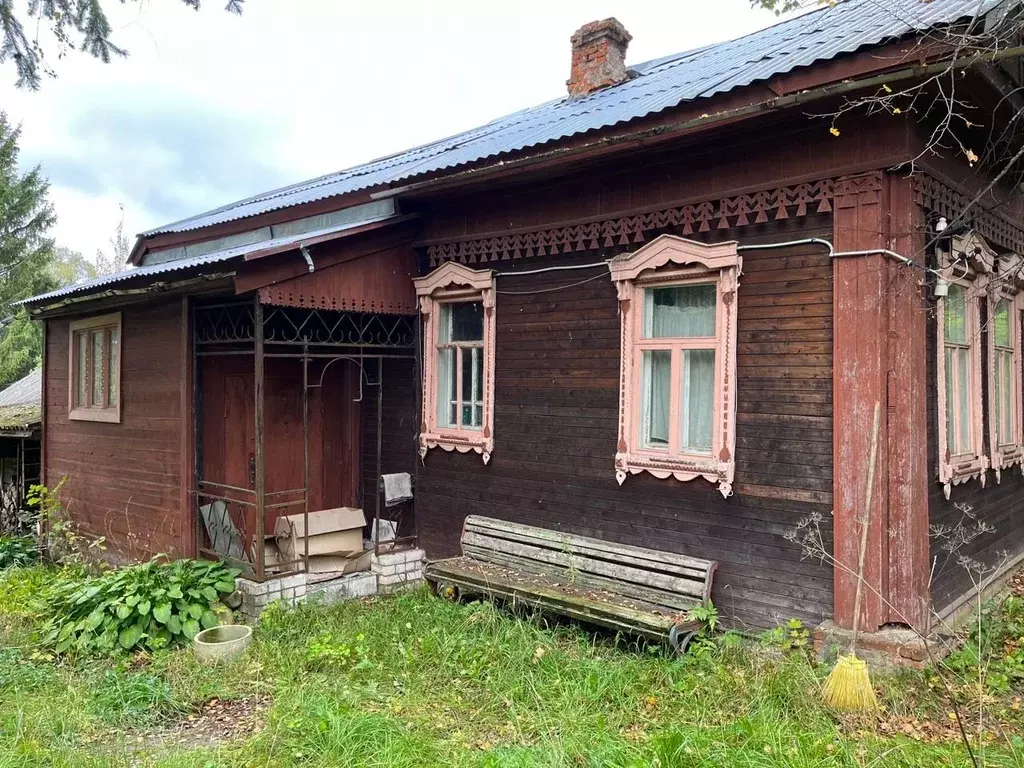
pixel 660 578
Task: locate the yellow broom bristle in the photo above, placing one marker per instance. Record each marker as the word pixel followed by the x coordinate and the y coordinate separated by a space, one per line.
pixel 848 687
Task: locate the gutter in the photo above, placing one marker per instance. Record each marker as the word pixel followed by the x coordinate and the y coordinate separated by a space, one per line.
pixel 704 121
pixel 152 288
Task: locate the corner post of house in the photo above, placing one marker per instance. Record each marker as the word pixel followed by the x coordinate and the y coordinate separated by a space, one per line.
pixel 859 381
pixel 908 551
pixel 879 356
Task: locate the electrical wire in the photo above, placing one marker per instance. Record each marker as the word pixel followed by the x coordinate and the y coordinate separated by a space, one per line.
pixel 602 276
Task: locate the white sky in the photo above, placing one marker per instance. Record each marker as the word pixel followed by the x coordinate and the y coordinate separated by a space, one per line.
pixel 211 107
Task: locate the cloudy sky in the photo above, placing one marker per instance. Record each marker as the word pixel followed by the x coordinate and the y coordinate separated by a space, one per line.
pixel 211 107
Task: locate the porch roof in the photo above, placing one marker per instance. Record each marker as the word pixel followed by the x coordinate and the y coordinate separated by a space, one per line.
pixel 223 256
pixel 656 85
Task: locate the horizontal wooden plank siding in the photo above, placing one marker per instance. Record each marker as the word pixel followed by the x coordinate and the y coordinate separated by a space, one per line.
pixel 556 414
pixel 124 480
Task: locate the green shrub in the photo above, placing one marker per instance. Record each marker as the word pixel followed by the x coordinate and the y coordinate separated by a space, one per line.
pixel 17 551
pixel 147 606
pixel 996 645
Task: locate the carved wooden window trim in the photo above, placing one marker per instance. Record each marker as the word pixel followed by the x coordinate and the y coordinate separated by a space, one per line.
pixel 1005 454
pixel 672 261
pixel 453 283
pixel 94 380
pixel 967 267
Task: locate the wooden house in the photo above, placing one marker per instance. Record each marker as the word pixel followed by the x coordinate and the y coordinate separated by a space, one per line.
pixel 660 311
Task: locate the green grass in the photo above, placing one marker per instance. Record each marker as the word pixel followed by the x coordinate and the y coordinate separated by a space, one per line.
pixel 417 681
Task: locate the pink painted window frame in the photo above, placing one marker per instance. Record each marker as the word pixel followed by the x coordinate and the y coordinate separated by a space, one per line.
pixel 664 262
pixel 1005 455
pixel 958 270
pixel 448 284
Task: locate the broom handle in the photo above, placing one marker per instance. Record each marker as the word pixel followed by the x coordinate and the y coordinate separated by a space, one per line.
pixel 861 556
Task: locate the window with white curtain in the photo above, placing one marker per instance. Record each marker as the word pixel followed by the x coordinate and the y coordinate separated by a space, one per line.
pixel 1006 426
pixel 959 382
pixel 966 268
pixel 677 382
pixel 457 306
pixel 677 412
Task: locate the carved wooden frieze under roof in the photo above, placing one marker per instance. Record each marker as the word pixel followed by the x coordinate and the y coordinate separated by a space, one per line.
pixel 725 213
pixel 943 200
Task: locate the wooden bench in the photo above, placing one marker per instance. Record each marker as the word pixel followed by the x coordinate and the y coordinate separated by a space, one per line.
pixel 637 591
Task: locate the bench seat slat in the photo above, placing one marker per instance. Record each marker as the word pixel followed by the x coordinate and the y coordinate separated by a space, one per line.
pixel 583 546
pixel 660 558
pixel 585 565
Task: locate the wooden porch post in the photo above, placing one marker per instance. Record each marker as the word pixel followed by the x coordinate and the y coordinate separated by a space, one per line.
pixel 879 355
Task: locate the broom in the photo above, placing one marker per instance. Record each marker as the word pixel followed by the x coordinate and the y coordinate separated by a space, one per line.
pixel 848 687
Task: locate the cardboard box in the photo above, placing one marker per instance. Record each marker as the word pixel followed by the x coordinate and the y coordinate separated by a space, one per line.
pixel 331 531
pixel 348 562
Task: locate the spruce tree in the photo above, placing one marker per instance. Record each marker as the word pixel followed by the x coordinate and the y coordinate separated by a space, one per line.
pixel 26 255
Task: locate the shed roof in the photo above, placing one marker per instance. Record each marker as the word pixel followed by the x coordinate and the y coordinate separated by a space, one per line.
pixel 659 84
pixel 21 403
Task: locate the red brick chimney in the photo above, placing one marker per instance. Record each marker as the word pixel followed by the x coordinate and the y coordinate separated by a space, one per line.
pixel 598 56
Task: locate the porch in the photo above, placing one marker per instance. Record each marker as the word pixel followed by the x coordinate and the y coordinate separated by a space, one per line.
pixel 298 410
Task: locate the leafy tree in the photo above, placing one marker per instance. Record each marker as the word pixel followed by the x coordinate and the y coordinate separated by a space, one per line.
pixel 26 253
pixel 120 250
pixel 76 25
pixel 69 267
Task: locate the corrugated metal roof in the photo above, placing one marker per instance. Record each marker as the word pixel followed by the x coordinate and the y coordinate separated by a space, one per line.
pixel 214 257
pixel 28 390
pixel 659 84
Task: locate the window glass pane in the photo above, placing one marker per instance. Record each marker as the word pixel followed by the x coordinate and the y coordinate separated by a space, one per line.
pixel 963 414
pixel 698 400
pixel 680 312
pixel 82 368
pixel 472 387
pixel 956 315
pixel 1001 323
pixel 951 424
pixel 1004 398
pixel 446 387
pixel 655 397
pixel 467 321
pixel 114 379
pixel 98 364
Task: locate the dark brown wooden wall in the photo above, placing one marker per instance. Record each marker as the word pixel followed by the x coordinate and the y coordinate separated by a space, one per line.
pixel 999 506
pixel 557 377
pixel 228 430
pixel 124 480
pixel 398 427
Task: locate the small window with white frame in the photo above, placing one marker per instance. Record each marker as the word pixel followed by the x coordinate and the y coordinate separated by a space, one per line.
pixel 457 307
pixel 1004 355
pixel 961 442
pixel 94 391
pixel 677 411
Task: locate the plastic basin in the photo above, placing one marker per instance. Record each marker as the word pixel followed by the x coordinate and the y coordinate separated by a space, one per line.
pixel 222 643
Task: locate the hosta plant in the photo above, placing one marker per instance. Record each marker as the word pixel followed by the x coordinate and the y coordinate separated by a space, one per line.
pixel 147 606
pixel 17 551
